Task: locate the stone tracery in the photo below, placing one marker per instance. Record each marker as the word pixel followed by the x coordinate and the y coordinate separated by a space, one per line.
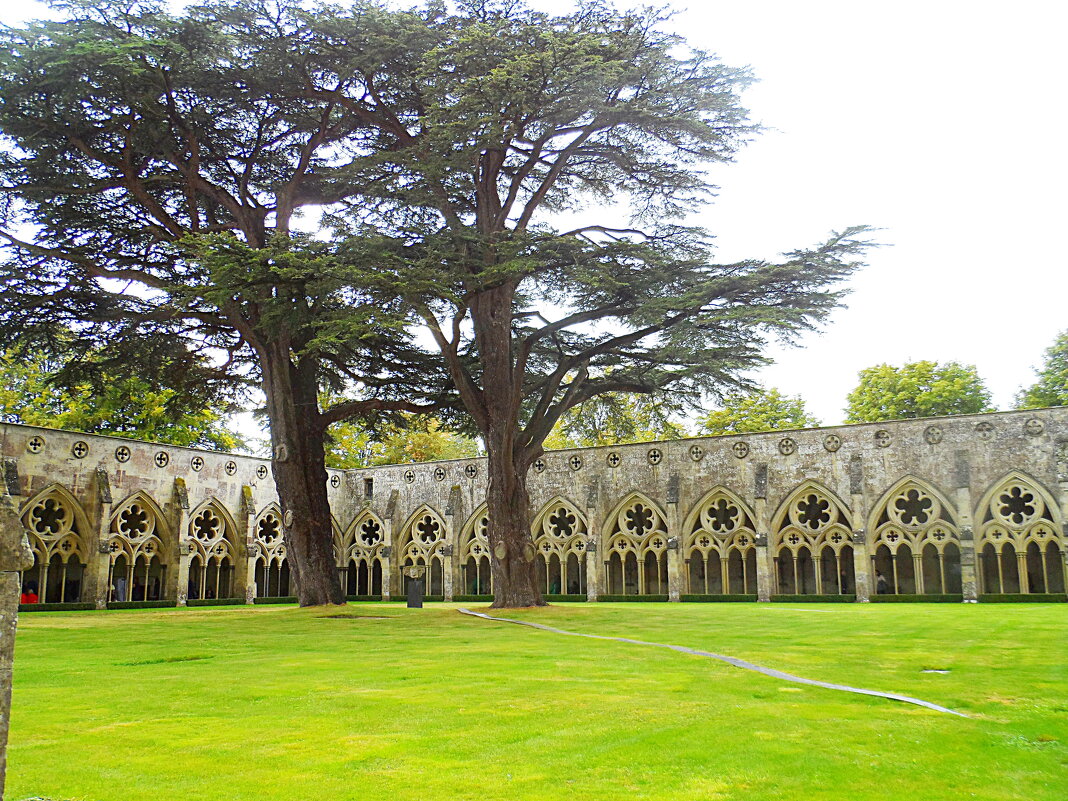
pixel 720 546
pixel 813 544
pixel 635 548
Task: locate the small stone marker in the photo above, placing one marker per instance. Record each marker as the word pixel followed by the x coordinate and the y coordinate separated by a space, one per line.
pixel 15 556
pixel 415 575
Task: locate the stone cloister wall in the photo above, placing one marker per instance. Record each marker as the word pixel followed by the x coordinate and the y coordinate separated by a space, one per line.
pixel 965 505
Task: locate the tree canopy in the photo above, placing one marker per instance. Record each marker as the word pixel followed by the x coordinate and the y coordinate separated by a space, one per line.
pixel 513 119
pixel 614 418
pixel 753 412
pixel 916 389
pixel 32 392
pixel 409 438
pixel 1051 389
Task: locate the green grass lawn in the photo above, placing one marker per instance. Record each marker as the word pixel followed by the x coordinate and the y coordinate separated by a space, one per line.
pixel 279 703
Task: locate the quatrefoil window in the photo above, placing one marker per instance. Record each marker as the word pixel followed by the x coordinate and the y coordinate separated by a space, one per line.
pixel 914 507
pixel 1017 505
pixel 813 511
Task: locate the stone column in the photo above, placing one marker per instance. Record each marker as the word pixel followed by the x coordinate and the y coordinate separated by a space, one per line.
pixel 95 587
pixel 15 556
pixel 391 560
pixel 244 581
pixel 594 557
pixel 448 556
pixel 762 521
pixel 862 575
pixel 178 578
pixel 674 532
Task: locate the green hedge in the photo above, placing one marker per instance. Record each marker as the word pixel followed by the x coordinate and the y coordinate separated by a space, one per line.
pixel 1024 597
pixel 68 607
pixel 283 599
pixel 949 598
pixel 813 599
pixel 640 598
pixel 426 598
pixel 473 599
pixel 559 598
pixel 363 597
pixel 142 604
pixel 214 601
pixel 718 598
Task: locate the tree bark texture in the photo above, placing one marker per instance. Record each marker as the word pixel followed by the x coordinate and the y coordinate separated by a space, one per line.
pixel 507 500
pixel 299 466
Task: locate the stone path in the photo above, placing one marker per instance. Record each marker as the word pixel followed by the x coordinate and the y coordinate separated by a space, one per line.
pixel 730 660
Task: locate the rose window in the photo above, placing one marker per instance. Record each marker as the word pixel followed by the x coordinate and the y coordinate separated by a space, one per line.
pixel 49 517
pixel 134 522
pixel 722 515
pixel 207 526
pixel 1016 505
pixel 639 519
pixel 428 530
pixel 370 532
pixel 813 511
pixel 269 530
pixel 562 523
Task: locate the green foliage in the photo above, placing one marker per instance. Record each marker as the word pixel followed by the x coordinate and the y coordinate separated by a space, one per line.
pixel 31 393
pixel 712 598
pixel 615 418
pixel 753 412
pixel 917 389
pixel 411 438
pixel 906 599
pixel 812 599
pixel 1051 389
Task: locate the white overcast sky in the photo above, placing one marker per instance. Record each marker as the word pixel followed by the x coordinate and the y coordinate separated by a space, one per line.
pixel 941 122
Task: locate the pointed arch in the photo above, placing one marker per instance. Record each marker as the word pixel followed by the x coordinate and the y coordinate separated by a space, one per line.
pixel 121 519
pixel 560 532
pixel 635 538
pixel 812 543
pixel 914 540
pixel 55 490
pixel 58 529
pixel 1020 543
pixel 229 524
pixel 420 543
pixel 719 544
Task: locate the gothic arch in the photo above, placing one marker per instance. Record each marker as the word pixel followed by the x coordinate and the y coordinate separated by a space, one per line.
pixel 914 540
pixel 560 532
pixel 421 542
pixel 213 541
pixel 476 574
pixel 270 566
pixel 812 543
pixel 138 506
pixel 1020 543
pixel 363 561
pixel 635 541
pixel 719 544
pixel 58 529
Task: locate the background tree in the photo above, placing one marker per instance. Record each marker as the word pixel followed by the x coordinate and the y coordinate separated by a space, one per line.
pixel 1051 389
pixel 153 167
pixel 917 389
pixel 513 118
pixel 614 418
pixel 411 438
pixel 32 392
pixel 753 412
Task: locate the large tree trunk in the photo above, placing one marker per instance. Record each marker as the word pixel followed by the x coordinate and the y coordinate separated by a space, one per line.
pixel 507 500
pixel 299 463
pixel 515 581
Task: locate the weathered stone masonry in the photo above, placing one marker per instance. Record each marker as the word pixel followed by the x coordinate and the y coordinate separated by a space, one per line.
pixel 965 505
